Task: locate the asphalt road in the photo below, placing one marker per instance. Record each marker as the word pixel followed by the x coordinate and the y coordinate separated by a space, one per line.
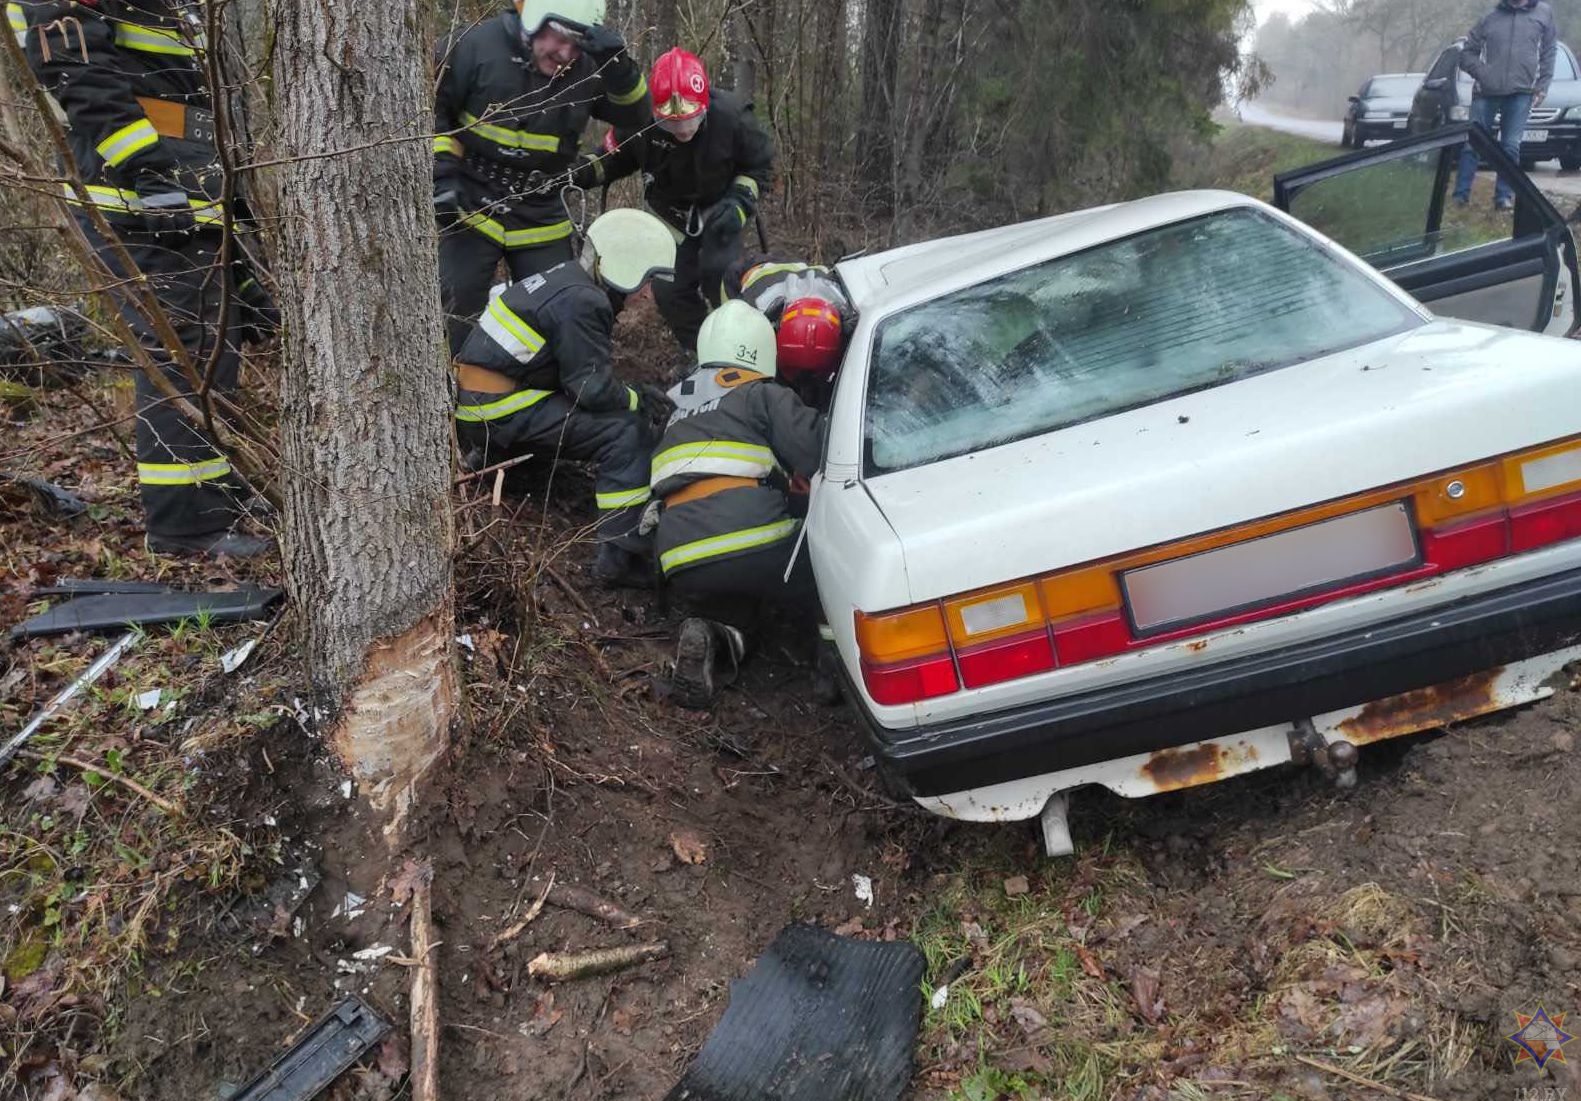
pixel 1562 186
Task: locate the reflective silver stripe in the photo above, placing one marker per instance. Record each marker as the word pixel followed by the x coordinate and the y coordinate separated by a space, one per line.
pixel 182 474
pixel 727 457
pixel 127 142
pixel 125 202
pixel 712 547
pixel 623 498
pixel 507 329
pixel 504 407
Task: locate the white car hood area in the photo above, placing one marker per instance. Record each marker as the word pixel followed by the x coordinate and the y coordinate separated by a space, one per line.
pixel 1438 396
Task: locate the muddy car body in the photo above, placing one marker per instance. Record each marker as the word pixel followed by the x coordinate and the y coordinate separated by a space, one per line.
pixel 1154 494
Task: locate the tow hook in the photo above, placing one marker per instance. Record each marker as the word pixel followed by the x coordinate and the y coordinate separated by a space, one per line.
pixel 1335 760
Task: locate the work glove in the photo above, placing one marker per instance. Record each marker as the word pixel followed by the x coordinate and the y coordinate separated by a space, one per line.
pixel 608 51
pixel 447 198
pixel 731 213
pixel 164 204
pixel 260 316
pixel 653 404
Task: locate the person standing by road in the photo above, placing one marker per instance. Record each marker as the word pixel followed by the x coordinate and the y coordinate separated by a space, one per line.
pixel 1510 54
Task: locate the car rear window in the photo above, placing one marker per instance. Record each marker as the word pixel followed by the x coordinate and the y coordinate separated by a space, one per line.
pixel 1180 308
pixel 1400 86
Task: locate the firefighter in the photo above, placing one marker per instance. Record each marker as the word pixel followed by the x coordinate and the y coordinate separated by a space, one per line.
pixel 129 77
pixel 810 314
pixel 536 375
pixel 768 284
pixel 728 523
pixel 514 94
pixel 706 162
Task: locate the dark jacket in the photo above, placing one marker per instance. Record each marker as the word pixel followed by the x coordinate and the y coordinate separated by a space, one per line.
pixel 551 332
pixel 507 134
pixel 729 148
pixel 129 77
pixel 745 427
pixel 1511 50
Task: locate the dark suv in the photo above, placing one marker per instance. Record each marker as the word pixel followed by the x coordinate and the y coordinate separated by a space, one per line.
pixel 1380 109
pixel 1553 131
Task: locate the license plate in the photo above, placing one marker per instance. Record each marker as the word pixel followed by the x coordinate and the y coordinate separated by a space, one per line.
pixel 1399 124
pixel 1534 136
pixel 1272 569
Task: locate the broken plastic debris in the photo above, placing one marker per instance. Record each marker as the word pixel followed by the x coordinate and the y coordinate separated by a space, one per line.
pixel 940 996
pixel 147 701
pixel 232 660
pixel 377 952
pixel 345 789
pixel 351 906
pixel 864 889
pixel 466 640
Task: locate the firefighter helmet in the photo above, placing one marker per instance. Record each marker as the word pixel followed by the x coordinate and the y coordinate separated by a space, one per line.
pixel 574 15
pixel 809 338
pixel 629 247
pixel 679 86
pixel 736 335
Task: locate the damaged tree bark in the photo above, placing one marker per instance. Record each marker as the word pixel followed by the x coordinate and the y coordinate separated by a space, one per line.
pixel 366 402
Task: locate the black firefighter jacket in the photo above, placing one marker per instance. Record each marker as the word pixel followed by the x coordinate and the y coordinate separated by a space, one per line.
pixel 507 135
pixel 743 426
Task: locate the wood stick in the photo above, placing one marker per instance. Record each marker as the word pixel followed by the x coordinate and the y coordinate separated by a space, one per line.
pixel 100 770
pixel 425 992
pixel 570 591
pixel 506 465
pixel 565 966
pixel 1330 1068
pixel 567 897
pixel 533 911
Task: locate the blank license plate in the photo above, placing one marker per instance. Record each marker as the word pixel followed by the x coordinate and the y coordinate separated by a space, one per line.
pixel 1399 124
pixel 1535 135
pixel 1271 569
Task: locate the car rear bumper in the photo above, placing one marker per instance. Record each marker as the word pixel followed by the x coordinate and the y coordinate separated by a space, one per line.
pixel 1281 686
pixel 1564 139
pixel 1381 130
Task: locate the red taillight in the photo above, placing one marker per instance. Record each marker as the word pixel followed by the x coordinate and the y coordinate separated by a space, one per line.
pixel 1007 659
pixel 911 681
pixel 1551 521
pixel 1456 546
pixel 1091 637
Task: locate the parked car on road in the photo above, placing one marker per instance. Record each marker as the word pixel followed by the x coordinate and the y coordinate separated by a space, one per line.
pixel 1380 109
pixel 1154 494
pixel 1552 132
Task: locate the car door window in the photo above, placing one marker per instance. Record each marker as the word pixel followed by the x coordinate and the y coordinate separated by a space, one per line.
pixel 1445 65
pixel 1401 210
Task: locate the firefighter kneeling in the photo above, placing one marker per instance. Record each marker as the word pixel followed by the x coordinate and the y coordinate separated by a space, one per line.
pixel 537 375
pixel 727 529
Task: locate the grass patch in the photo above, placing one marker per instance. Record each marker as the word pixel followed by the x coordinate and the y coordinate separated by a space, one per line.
pixel 1246 159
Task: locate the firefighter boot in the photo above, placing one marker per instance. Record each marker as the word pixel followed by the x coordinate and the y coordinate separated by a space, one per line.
pixel 697 659
pixel 214 544
pixel 615 567
pixel 826 674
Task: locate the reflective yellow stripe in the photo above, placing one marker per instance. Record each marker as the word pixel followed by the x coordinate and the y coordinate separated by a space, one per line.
pixel 626 99
pixel 763 271
pixel 504 407
pixel 623 498
pixel 510 331
pixel 18 20
pixel 152 40
pixel 747 182
pixel 447 144
pixel 631 400
pixel 712 547
pixel 125 202
pixel 731 458
pixel 182 474
pixel 516 238
pixel 127 142
pixel 511 139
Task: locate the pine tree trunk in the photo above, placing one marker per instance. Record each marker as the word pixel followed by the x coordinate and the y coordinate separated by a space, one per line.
pixel 366 397
pixel 880 68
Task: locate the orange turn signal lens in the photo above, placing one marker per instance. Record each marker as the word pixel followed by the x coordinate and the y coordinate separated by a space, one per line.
pixel 1457 494
pixel 1079 591
pixel 901 636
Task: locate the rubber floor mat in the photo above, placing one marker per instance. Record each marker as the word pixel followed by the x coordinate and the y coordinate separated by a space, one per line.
pixel 819 1018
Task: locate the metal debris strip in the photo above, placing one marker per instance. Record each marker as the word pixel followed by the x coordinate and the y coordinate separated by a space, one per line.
pixel 320 1055
pixel 65 695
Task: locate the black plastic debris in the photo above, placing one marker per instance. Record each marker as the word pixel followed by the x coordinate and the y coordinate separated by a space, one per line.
pixel 320 1055
pixel 51 497
pixel 127 605
pixel 819 1018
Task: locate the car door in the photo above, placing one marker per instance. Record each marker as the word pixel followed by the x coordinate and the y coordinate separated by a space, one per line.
pixel 1430 106
pixel 1394 207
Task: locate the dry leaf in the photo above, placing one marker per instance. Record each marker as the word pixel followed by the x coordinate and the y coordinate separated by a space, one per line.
pixel 689 848
pixel 1089 962
pixel 43 788
pixel 411 876
pixel 1144 989
pixel 1017 885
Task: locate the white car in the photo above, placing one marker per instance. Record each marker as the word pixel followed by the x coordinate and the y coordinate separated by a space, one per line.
pixel 1163 492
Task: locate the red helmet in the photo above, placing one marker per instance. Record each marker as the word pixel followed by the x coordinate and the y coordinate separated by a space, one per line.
pixel 809 339
pixel 679 85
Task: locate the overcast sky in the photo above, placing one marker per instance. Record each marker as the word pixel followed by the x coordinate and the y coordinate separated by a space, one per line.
pixel 1293 8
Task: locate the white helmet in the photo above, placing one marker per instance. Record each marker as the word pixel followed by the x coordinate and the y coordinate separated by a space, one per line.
pixel 736 335
pixel 628 247
pixel 576 15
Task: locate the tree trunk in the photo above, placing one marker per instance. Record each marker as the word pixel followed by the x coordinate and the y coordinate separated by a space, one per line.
pixel 366 398
pixel 661 13
pixel 880 68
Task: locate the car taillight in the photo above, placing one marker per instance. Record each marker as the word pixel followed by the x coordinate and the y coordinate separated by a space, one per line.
pixel 1462 518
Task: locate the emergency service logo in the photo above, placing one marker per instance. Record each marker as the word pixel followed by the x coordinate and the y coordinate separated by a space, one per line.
pixel 1540 1038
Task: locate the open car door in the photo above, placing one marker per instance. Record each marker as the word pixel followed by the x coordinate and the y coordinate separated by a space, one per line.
pixel 1394 207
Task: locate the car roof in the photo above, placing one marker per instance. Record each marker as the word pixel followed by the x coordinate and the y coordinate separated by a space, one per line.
pixel 932 268
pixel 1391 76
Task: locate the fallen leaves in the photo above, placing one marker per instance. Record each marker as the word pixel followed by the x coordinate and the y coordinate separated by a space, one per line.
pixel 1017 885
pixel 1145 992
pixel 688 847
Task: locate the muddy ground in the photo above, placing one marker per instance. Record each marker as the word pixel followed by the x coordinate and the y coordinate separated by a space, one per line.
pixel 1262 938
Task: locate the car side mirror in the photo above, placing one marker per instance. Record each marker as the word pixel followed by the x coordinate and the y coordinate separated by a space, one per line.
pixel 1353 99
pixel 1436 83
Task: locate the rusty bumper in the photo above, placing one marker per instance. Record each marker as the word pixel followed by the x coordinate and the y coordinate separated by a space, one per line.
pixel 1463 640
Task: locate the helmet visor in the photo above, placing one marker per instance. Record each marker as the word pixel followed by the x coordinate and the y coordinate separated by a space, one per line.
pixel 677 108
pixel 576 32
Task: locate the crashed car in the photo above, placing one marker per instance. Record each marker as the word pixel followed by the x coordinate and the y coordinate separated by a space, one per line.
pixel 1159 493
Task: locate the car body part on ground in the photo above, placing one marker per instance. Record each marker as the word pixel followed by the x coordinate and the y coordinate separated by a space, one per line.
pixel 1153 494
pixel 818 1017
pixel 99 610
pixel 1553 131
pixel 325 1051
pixel 1380 109
pixel 65 696
pixel 54 499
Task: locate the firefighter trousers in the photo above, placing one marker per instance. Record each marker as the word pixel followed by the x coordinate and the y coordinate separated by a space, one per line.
pixel 699 270
pixel 619 443
pixel 186 484
pixel 735 589
pixel 467 262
